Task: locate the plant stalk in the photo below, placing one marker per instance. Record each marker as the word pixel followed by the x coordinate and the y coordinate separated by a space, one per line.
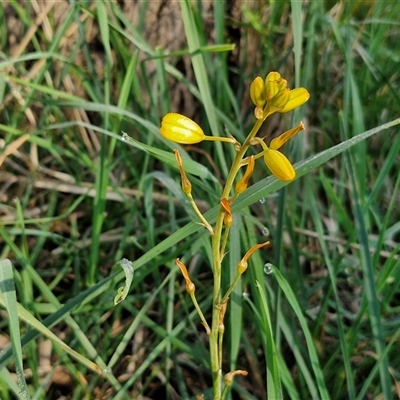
pixel 215 345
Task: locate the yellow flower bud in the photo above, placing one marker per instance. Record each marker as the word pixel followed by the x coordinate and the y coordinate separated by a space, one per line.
pixel 279 101
pixel 273 76
pixel 259 112
pixel 257 92
pixel 279 165
pixel 181 129
pixel 282 84
pixel 279 141
pixel 271 90
pixel 272 87
pixel 297 98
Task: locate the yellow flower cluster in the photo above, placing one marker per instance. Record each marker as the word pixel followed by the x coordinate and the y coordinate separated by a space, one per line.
pixel 272 95
pixel 269 95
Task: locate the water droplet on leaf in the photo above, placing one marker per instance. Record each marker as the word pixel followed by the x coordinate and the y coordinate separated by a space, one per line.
pixel 262 200
pixel 24 395
pixel 268 268
pixel 265 231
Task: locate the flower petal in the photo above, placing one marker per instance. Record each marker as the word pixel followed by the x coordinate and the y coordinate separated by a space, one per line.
pixel 279 102
pixel 279 165
pixel 273 76
pixel 298 97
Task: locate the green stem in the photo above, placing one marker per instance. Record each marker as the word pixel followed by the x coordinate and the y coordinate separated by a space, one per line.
pixel 220 340
pixel 224 241
pixel 220 139
pixel 215 350
pixel 225 392
pixel 233 284
pixel 201 315
pixel 199 214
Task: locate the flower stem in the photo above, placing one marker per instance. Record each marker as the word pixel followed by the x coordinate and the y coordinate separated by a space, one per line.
pixel 215 345
pixel 199 214
pixel 224 241
pixel 201 315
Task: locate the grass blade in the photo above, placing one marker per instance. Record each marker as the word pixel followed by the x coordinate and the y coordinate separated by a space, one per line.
pixel 290 296
pixel 8 299
pixel 370 288
pixel 274 386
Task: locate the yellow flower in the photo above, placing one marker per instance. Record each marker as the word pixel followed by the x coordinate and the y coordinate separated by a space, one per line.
pixel 279 165
pixel 279 101
pixel 276 161
pixel 257 92
pixel 272 86
pixel 275 96
pixel 297 98
pixel 180 129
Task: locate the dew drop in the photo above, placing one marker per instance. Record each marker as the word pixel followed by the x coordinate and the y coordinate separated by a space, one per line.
pixel 106 371
pixel 268 268
pixel 245 295
pixel 262 200
pixel 265 231
pixel 125 137
pixel 24 395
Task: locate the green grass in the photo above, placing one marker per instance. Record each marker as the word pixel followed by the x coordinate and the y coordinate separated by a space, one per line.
pixel 76 197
